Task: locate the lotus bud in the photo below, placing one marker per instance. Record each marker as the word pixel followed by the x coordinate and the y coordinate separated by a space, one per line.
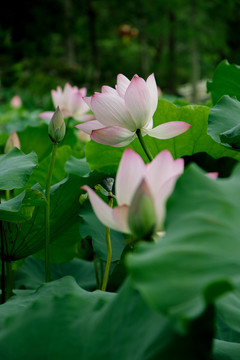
pixel 57 127
pixel 13 141
pixel 141 216
pixel 16 102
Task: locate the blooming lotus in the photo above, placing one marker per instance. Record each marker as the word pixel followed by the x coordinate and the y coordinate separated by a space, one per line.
pixel 71 103
pixel 136 183
pixel 124 111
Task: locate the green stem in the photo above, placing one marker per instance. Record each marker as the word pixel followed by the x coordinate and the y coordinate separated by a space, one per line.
pixel 109 259
pixel 109 249
pixel 144 146
pixel 9 281
pixel 3 298
pixel 47 214
pixel 8 196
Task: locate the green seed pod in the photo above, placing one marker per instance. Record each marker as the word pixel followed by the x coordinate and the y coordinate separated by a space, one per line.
pixel 57 127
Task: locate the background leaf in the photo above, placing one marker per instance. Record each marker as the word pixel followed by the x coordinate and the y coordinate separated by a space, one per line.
pixel 15 169
pixel 223 117
pixel 226 81
pixel 41 171
pixel 193 141
pixel 37 139
pixel 31 275
pixel 92 227
pixel 20 208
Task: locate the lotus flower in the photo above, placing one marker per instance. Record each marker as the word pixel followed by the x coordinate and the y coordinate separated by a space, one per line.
pixel 122 111
pixel 155 181
pixel 71 103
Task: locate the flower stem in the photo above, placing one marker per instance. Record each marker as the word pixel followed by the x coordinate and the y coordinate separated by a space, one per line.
pixel 109 258
pixel 3 298
pixel 144 146
pixel 109 249
pixel 8 196
pixel 47 214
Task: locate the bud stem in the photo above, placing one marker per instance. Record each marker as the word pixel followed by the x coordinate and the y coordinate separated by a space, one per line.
pixel 47 213
pixel 144 146
pixel 109 249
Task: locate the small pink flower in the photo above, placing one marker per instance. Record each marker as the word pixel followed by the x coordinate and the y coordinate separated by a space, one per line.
pixel 120 112
pixel 12 141
pixel 212 175
pixel 71 103
pixel 159 178
pixel 16 102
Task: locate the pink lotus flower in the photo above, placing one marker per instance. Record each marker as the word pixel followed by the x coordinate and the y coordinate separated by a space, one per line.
pixel 71 103
pixel 16 102
pixel 155 180
pixel 122 111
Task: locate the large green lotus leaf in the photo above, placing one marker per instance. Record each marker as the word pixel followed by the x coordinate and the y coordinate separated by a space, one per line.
pixel 198 259
pixel 15 169
pixel 226 81
pixel 193 141
pixel 227 343
pixel 36 138
pixel 228 312
pixel 92 227
pixel 64 221
pixel 29 236
pixel 77 167
pixel 224 122
pixel 224 350
pixel 41 171
pixel 80 168
pixel 20 208
pixel 32 273
pixel 62 321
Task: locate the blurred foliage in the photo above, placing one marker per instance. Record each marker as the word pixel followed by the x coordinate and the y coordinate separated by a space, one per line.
pixel 44 44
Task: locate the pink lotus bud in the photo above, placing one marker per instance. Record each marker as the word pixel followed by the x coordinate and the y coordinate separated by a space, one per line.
pixel 13 141
pixel 16 102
